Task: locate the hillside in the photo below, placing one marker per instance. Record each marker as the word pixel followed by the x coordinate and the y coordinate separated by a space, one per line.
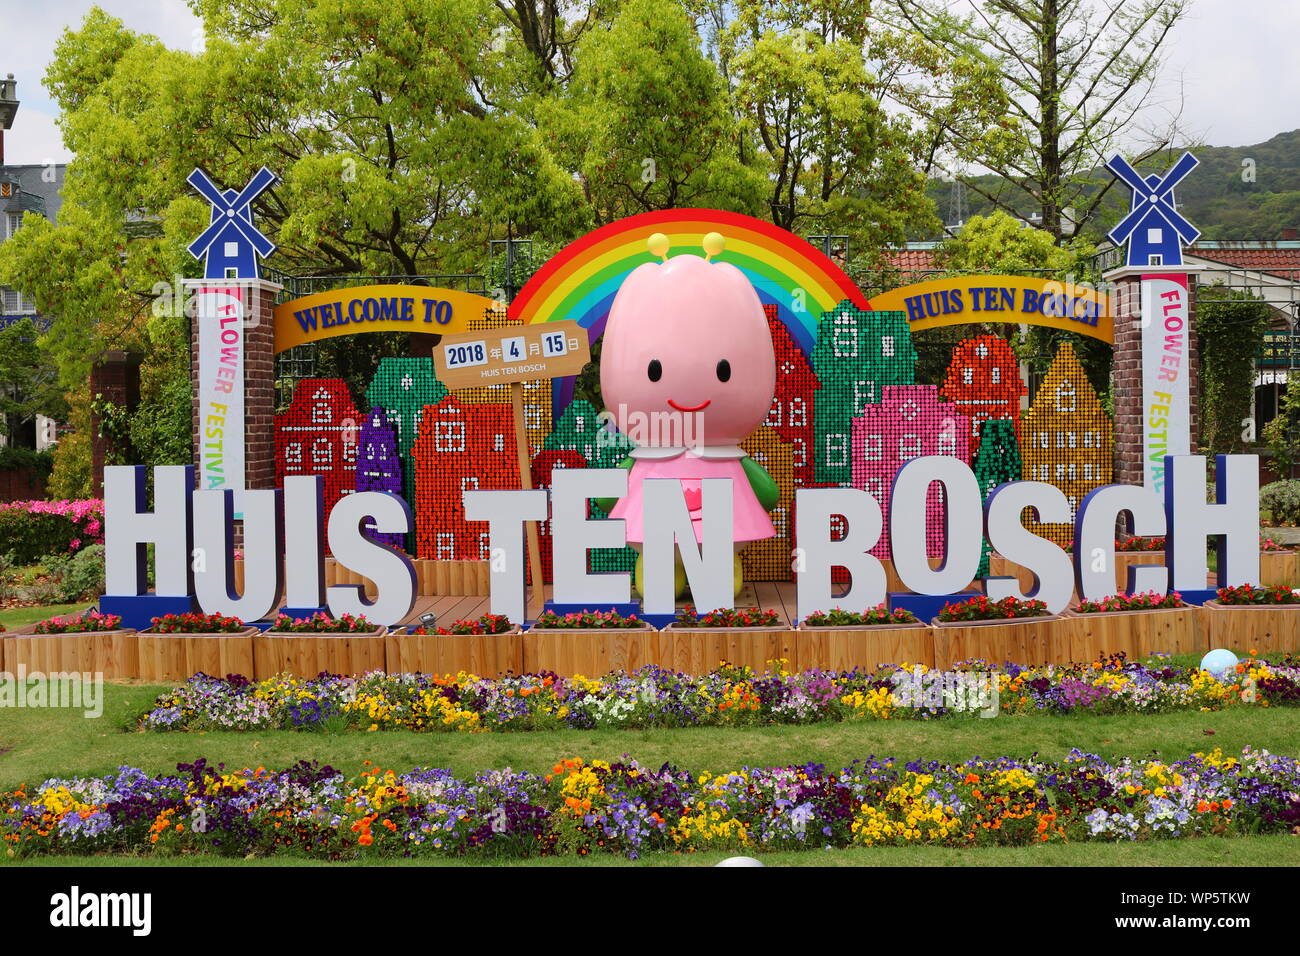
pixel 1214 196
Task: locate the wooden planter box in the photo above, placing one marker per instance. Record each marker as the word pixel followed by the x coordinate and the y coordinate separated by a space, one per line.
pixel 487 655
pixel 306 655
pixel 113 654
pixel 1279 567
pixel 1177 630
pixel 698 650
pixel 866 647
pixel 1025 641
pixel 591 653
pixel 1265 628
pixel 178 657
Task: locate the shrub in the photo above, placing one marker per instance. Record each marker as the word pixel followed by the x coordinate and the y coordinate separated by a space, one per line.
pixel 838 617
pixel 982 609
pixel 1281 499
pixel 74 577
pixel 32 530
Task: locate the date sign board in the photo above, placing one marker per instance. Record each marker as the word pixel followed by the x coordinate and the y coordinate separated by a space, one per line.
pixel 519 353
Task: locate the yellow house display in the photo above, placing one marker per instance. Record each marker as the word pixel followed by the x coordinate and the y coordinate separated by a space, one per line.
pixel 769 560
pixel 1066 439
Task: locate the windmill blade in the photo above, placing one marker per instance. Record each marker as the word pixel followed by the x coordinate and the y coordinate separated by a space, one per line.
pixel 1186 163
pixel 262 180
pixel 209 235
pixel 1124 228
pixel 1124 170
pixel 1185 229
pixel 206 188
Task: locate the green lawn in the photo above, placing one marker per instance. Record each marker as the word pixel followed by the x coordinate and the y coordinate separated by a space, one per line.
pixel 40 743
pixel 19 616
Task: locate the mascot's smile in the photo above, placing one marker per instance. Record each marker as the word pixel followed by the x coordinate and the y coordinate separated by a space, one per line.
pixel 691 408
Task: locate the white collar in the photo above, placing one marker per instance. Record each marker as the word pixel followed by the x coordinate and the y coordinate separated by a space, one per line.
pixel 701 451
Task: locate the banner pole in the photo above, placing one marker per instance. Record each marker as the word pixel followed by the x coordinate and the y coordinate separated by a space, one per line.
pixel 538 593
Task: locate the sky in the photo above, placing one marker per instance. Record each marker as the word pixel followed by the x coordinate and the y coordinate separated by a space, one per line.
pixel 1231 62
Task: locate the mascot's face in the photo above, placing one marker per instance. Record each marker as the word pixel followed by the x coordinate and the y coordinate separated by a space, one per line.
pixel 688 337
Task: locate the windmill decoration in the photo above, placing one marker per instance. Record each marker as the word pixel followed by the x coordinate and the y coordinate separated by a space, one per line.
pixel 231 245
pixel 1154 229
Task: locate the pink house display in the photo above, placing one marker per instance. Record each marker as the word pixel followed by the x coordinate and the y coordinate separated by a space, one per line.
pixel 910 421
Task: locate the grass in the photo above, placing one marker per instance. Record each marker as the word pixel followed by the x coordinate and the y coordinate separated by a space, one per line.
pixel 16 617
pixel 1273 850
pixel 37 744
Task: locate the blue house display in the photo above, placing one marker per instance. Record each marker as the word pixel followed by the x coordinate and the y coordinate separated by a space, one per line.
pixel 1154 229
pixel 231 245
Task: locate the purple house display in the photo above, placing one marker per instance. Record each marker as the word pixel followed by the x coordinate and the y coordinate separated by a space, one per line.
pixel 379 466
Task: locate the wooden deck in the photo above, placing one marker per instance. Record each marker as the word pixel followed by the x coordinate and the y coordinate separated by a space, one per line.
pixel 778 596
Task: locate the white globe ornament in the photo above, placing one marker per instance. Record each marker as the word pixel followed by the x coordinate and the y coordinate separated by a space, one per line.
pixel 738 861
pixel 1219 661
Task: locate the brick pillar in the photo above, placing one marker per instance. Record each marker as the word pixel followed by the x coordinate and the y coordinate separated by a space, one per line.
pixel 114 377
pixel 259 378
pixel 1126 377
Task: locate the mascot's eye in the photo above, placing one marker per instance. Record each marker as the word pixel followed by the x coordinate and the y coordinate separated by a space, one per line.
pixel 724 370
pixel 655 371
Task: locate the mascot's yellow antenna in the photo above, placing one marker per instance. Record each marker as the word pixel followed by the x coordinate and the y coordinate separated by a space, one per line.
pixel 658 245
pixel 713 244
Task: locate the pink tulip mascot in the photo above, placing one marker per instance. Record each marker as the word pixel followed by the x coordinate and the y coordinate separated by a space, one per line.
pixel 687 343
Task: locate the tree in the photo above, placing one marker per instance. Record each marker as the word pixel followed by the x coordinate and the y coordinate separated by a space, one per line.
pixel 835 160
pixel 28 385
pixel 1077 76
pixel 645 120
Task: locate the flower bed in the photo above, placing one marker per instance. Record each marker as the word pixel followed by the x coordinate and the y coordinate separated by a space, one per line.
pixel 591 642
pixel 319 644
pixel 178 645
pixel 1139 544
pixel 1005 630
pixel 623 808
pixel 29 530
pixel 488 645
pixel 1136 625
pixel 90 643
pixel 1249 618
pixel 730 696
pixel 870 639
pixel 980 608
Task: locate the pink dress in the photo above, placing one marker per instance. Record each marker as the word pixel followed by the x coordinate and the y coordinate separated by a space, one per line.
pixel 750 521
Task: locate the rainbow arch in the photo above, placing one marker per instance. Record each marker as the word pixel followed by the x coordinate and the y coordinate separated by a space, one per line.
pixel 580 281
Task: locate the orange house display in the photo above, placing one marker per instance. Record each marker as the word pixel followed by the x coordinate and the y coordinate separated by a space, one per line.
pixel 460 448
pixel 983 381
pixel 1066 439
pixel 769 559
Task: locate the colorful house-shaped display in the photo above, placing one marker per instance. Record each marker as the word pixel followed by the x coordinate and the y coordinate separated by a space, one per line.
pixel 1066 439
pixel 910 421
pixel 983 381
pixel 792 412
pixel 769 559
pixel 317 435
pixel 857 354
pixel 379 466
pixel 459 448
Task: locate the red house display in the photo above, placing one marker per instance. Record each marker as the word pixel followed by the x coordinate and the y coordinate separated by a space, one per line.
pixel 317 435
pixel 459 448
pixel 983 381
pixel 908 422
pixel 791 414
